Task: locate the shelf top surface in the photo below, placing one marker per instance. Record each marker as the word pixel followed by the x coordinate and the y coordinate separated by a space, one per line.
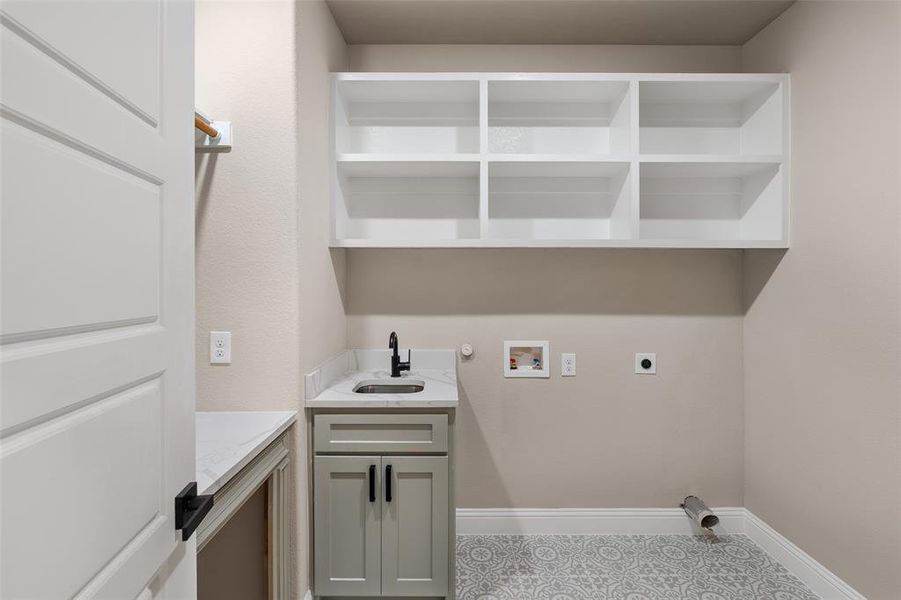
pixel 412 168
pixel 704 91
pixel 561 91
pixel 706 170
pixel 393 90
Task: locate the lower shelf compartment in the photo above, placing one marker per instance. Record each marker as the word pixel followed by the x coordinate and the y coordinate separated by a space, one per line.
pixel 407 201
pixel 656 202
pixel 559 201
pixel 724 202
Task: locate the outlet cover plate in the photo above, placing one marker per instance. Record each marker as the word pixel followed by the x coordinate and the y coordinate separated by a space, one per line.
pixel 568 364
pixel 651 356
pixel 220 347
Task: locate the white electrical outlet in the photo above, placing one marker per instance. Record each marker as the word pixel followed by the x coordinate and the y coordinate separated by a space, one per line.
pixel 646 363
pixel 220 347
pixel 567 365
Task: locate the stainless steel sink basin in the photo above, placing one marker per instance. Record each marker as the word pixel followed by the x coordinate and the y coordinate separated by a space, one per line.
pixel 382 386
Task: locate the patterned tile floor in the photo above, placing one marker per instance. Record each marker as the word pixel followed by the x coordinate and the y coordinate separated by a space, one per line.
pixel 620 567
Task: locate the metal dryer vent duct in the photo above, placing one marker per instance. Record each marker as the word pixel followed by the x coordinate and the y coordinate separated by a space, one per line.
pixel 698 512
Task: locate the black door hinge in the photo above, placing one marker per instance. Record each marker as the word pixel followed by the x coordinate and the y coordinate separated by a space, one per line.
pixel 190 509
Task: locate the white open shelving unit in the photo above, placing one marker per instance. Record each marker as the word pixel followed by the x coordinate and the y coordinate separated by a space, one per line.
pixel 566 160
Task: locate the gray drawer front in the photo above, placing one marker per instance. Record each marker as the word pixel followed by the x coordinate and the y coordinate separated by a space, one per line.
pixel 371 433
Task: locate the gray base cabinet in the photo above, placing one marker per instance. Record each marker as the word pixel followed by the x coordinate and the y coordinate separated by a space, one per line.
pixel 381 516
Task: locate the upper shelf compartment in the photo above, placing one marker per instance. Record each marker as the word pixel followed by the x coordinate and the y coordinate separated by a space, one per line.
pixel 731 117
pixel 559 117
pixel 406 117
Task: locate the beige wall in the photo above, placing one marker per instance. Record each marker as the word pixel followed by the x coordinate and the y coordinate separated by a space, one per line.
pixel 620 59
pixel 233 565
pixel 264 271
pixel 822 339
pixel 323 327
pixel 246 215
pixel 608 437
pixel 320 51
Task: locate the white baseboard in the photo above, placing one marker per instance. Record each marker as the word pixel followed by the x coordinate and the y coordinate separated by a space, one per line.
pixel 823 582
pixel 655 521
pixel 597 521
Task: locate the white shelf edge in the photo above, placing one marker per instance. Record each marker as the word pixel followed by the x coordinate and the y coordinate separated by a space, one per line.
pixel 501 76
pixel 355 157
pixel 431 120
pixel 566 243
pixel 711 158
pixel 499 121
pixel 598 158
pixel 723 244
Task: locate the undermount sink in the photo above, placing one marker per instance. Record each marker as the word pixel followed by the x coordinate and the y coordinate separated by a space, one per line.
pixel 382 386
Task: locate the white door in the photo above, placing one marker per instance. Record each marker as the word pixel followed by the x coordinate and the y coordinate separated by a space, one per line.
pixel 346 506
pixel 414 526
pixel 96 322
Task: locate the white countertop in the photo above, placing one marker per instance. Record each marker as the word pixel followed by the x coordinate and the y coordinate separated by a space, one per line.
pixel 228 441
pixel 332 384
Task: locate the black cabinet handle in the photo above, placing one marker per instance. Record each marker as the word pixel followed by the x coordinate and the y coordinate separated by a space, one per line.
pixel 372 483
pixel 388 483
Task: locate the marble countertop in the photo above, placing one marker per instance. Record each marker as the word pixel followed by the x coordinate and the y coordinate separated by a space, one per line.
pixel 332 384
pixel 228 441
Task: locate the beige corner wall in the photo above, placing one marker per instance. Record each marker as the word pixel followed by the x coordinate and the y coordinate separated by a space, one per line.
pixel 323 326
pixel 608 437
pixel 246 214
pixel 822 338
pixel 320 52
pixel 264 271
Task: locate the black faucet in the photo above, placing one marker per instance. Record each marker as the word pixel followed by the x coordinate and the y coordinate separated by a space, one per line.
pixel 397 365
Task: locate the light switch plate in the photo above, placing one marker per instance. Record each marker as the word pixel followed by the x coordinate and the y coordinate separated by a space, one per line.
pixel 568 364
pixel 642 356
pixel 220 347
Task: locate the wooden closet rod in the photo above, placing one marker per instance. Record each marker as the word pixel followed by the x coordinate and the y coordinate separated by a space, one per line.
pixel 205 127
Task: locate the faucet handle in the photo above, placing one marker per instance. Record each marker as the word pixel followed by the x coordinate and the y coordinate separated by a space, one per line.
pixel 406 365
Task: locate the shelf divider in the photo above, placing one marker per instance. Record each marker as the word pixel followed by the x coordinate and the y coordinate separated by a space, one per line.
pixel 483 162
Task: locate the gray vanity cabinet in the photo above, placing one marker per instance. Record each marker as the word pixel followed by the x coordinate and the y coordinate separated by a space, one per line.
pixel 381 505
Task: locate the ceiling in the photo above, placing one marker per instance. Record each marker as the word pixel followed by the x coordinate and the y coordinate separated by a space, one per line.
pixel 704 22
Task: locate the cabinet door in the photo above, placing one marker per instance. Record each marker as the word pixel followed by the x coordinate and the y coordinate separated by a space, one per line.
pixel 414 526
pixel 346 508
